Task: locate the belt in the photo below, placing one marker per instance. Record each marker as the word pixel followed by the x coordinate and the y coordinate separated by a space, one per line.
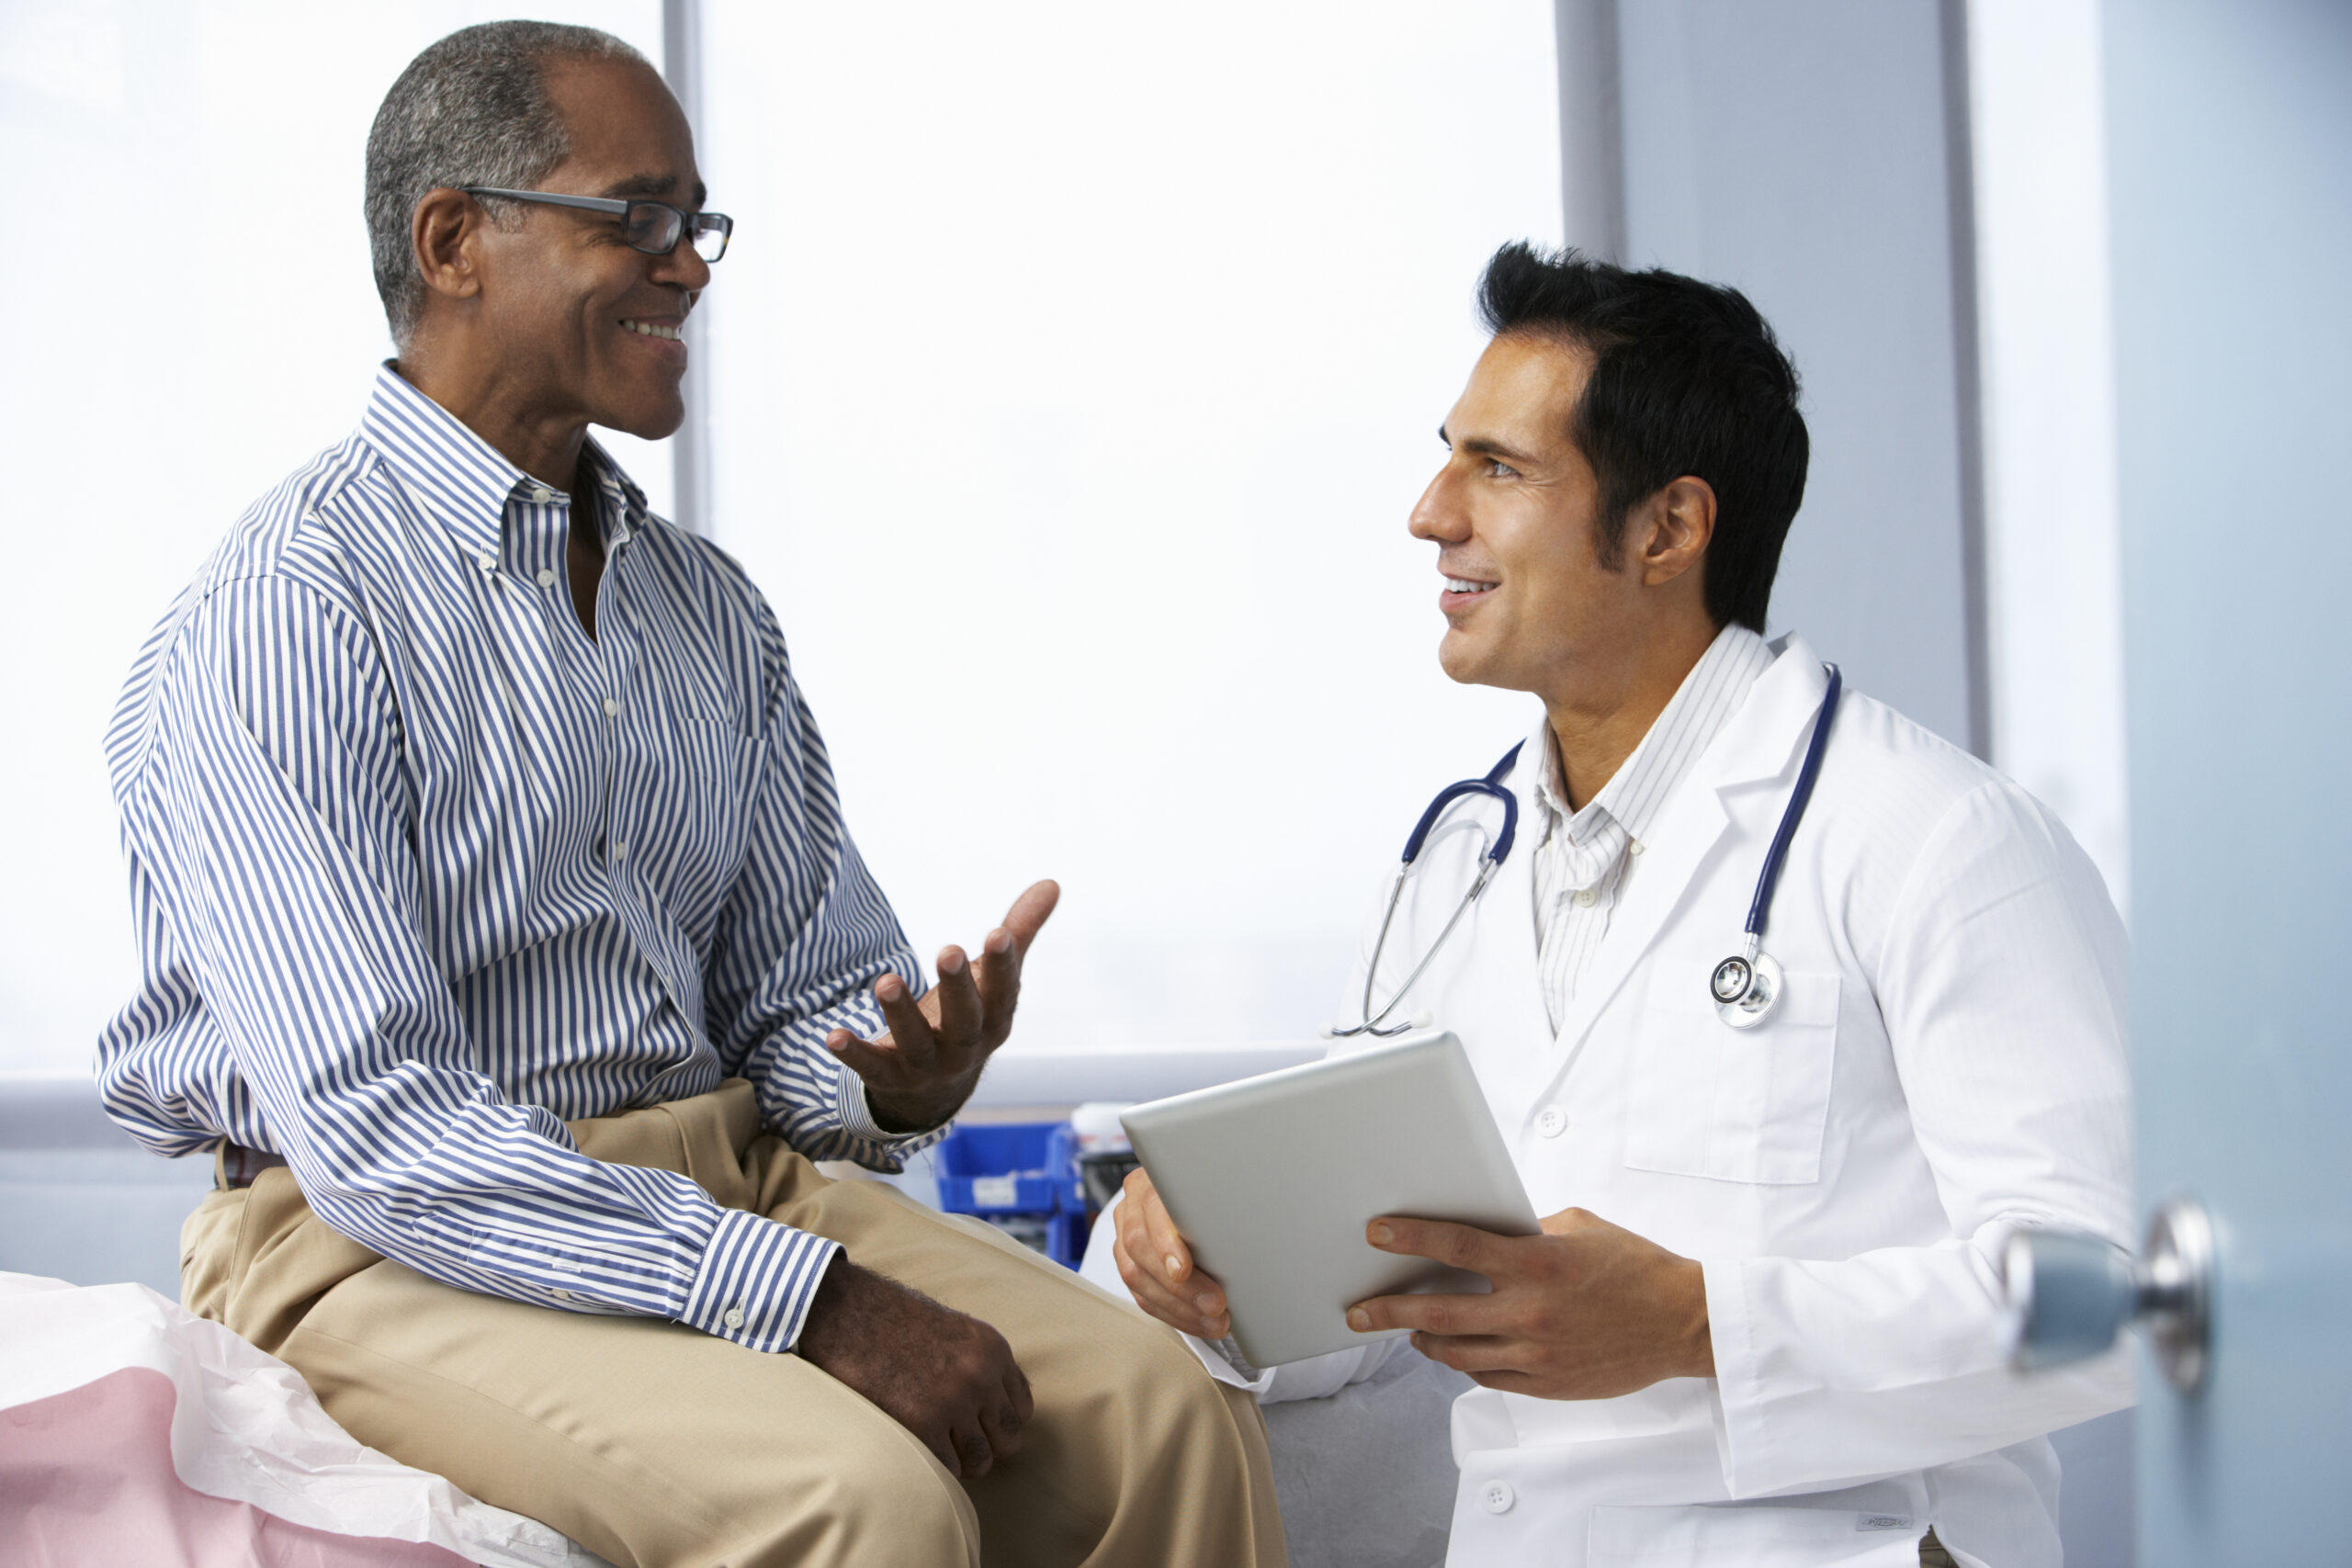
pixel 237 1166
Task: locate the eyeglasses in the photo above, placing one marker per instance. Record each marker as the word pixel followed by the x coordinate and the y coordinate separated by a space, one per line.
pixel 653 226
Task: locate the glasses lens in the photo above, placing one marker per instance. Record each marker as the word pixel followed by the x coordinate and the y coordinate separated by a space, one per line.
pixel 653 226
pixel 711 232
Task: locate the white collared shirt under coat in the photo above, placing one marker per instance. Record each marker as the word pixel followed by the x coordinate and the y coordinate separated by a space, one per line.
pixel 1946 1065
pixel 1584 856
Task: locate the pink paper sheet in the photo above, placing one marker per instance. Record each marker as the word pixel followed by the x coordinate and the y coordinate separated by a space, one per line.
pixel 86 1477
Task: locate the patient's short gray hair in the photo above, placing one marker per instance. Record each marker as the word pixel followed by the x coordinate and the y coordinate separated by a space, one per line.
pixel 472 109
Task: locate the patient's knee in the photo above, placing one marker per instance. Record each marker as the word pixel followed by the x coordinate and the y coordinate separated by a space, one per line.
pixel 877 1499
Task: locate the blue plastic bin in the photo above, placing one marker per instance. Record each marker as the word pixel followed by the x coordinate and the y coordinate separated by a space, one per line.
pixel 1017 1170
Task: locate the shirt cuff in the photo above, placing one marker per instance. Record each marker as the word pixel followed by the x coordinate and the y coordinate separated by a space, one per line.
pixel 757 1281
pixel 856 1116
pixel 1222 1359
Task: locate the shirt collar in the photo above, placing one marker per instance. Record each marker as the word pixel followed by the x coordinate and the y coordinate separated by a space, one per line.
pixel 464 481
pixel 1700 706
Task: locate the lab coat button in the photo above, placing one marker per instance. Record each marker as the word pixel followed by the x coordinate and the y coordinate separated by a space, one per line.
pixel 1497 1497
pixel 733 1318
pixel 1586 897
pixel 1552 1121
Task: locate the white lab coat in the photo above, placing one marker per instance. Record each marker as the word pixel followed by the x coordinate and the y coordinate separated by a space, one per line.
pixel 1946 1065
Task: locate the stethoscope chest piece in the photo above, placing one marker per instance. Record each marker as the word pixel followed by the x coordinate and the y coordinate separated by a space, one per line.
pixel 1746 986
pixel 1746 990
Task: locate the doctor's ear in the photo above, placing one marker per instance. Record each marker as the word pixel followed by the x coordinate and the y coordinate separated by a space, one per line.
pixel 1669 532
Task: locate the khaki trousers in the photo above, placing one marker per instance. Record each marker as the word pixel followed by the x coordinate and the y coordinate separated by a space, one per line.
pixel 656 1445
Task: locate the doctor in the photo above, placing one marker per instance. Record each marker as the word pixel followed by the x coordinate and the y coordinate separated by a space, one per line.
pixel 1763 1324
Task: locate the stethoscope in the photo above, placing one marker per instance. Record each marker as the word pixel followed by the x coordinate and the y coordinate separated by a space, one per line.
pixel 1744 988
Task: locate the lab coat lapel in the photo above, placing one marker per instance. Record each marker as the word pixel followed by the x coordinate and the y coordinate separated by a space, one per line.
pixel 1759 741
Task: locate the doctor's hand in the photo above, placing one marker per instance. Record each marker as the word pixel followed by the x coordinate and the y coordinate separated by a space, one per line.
pixel 1585 1311
pixel 1158 1265
pixel 922 1069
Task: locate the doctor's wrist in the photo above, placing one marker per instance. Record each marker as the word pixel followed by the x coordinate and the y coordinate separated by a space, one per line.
pixel 1694 1335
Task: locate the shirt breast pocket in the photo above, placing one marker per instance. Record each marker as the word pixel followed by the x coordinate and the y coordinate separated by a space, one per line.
pixel 1703 1099
pixel 713 777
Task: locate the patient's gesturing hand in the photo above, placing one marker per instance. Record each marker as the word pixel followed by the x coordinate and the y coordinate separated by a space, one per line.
pixel 921 1072
pixel 1158 1265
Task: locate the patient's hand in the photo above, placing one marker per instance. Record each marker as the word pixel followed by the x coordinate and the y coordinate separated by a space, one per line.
pixel 947 1378
pixel 921 1071
pixel 1158 1265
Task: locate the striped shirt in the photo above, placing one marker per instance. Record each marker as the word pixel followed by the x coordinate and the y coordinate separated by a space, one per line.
pixel 1585 858
pixel 419 871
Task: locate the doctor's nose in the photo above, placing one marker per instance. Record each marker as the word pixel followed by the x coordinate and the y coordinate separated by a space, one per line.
pixel 1439 515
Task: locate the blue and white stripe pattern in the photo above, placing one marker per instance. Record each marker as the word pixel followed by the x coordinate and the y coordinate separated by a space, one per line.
pixel 420 871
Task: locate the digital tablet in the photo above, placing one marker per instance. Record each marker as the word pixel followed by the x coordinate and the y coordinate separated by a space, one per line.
pixel 1272 1179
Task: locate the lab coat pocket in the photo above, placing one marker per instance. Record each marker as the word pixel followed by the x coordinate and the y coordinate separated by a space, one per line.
pixel 1703 1099
pixel 1712 1535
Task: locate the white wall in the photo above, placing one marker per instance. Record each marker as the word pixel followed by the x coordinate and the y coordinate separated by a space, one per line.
pixel 198 319
pixel 1074 369
pixel 2046 323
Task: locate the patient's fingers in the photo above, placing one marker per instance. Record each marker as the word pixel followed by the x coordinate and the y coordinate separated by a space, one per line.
pixel 1001 954
pixel 959 1001
pixel 1001 1430
pixel 1023 1404
pixel 909 1031
pixel 973 1455
pixel 867 1060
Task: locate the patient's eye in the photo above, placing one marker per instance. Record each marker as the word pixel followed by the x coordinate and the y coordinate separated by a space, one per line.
pixel 1498 469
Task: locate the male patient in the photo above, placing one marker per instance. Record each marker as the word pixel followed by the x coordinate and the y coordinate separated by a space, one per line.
pixel 500 928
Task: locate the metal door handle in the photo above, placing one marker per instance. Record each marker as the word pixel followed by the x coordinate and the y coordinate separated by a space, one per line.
pixel 2072 1292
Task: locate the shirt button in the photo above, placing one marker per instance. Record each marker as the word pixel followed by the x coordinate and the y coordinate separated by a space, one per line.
pixel 489 562
pixel 620 849
pixel 733 1318
pixel 1496 1496
pixel 541 494
pixel 1553 1122
pixel 612 707
pixel 563 1295
pixel 547 577
pixel 1634 848
pixel 1586 897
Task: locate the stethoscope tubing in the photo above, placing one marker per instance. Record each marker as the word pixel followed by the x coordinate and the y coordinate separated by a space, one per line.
pixel 1759 909
pixel 1761 905
pixel 1492 856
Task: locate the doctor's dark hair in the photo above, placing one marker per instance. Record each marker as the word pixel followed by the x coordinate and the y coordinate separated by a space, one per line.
pixel 1686 378
pixel 473 110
